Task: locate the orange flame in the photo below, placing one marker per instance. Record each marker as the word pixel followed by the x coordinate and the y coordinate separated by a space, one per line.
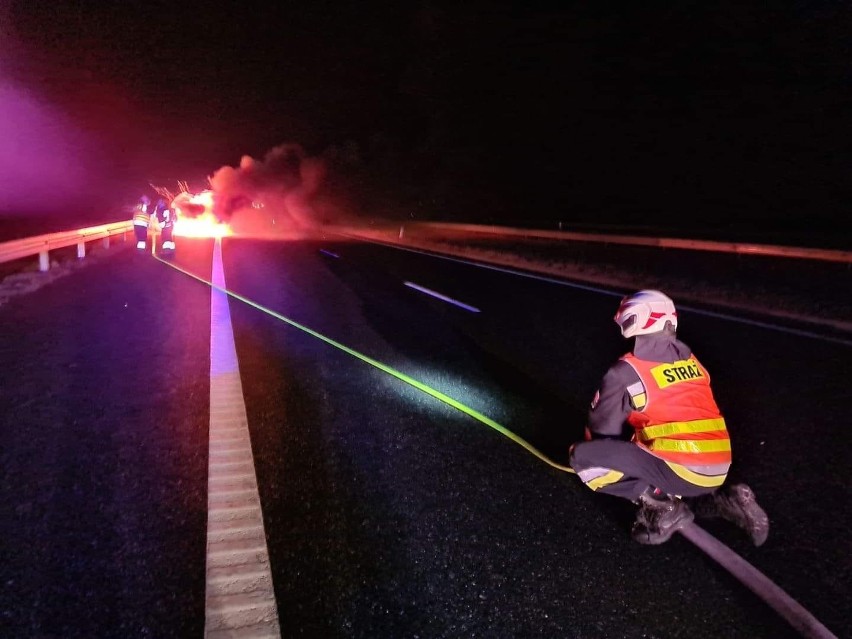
pixel 205 224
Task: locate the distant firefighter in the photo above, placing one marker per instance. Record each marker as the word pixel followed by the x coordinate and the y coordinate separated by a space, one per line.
pixel 141 220
pixel 166 217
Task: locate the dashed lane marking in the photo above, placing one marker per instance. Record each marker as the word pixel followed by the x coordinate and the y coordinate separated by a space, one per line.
pixel 240 598
pixel 730 317
pixel 441 297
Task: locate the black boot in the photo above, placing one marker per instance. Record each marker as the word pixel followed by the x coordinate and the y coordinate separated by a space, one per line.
pixel 659 517
pixel 737 504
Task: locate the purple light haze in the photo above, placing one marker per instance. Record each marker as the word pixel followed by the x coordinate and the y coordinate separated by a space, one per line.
pixel 43 155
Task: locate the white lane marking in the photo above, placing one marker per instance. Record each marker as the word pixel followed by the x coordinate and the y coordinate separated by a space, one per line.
pixel 443 298
pixel 240 598
pixel 335 255
pixel 603 291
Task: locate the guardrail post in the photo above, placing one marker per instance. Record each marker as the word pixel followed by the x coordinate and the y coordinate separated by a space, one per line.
pixel 401 231
pixel 81 250
pixel 43 262
pixel 106 242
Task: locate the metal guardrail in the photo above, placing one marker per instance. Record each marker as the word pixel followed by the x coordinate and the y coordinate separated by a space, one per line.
pixel 829 255
pixel 41 245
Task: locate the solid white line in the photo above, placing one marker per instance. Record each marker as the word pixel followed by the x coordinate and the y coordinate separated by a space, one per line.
pixel 250 609
pixel 443 298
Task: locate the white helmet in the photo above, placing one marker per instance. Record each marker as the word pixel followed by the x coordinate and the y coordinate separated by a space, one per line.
pixel 645 312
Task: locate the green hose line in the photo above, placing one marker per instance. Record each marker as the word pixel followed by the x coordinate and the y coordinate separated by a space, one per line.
pixel 387 369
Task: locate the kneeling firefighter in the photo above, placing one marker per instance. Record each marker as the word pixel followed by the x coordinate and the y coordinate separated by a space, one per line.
pixel 676 460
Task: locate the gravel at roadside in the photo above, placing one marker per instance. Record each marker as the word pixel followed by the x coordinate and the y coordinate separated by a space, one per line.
pixel 23 276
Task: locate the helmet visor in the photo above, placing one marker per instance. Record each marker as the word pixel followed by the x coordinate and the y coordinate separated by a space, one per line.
pixel 625 323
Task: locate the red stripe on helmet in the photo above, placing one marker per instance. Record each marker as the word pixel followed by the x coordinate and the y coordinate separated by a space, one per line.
pixel 652 319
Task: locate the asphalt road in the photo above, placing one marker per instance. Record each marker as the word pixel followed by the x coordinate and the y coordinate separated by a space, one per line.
pixel 388 513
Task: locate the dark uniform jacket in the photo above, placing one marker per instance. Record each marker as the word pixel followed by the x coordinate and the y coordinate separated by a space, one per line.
pixel 165 216
pixel 611 404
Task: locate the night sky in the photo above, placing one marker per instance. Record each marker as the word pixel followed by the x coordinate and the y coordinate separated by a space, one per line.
pixel 675 113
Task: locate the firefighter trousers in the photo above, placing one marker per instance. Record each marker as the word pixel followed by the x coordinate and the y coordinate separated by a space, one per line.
pixel 623 469
pixel 141 232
